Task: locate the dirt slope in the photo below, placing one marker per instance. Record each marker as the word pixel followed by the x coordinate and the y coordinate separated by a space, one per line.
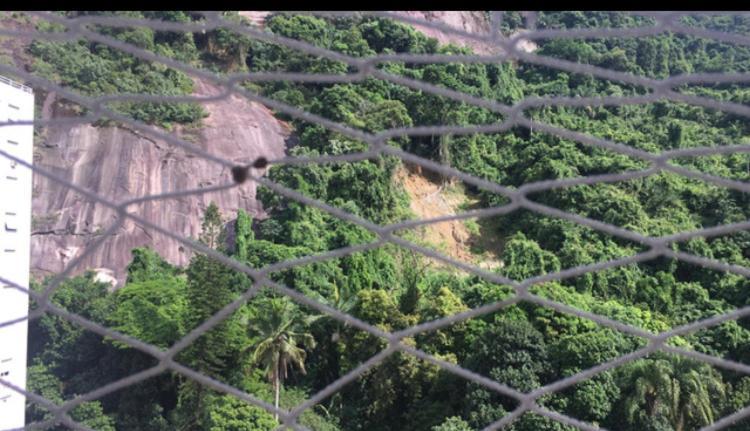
pixel 428 200
pixel 478 245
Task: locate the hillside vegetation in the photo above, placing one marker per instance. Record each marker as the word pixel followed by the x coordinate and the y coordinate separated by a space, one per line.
pixel 276 349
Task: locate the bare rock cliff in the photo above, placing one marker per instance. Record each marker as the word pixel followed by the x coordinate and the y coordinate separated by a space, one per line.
pixel 119 164
pixel 473 22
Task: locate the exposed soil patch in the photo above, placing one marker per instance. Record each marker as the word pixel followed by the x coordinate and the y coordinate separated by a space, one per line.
pixel 470 241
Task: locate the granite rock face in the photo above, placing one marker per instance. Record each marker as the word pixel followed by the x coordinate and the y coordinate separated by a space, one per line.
pixel 119 164
pixel 473 22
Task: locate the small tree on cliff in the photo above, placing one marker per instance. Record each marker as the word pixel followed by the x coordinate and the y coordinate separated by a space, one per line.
pixel 211 227
pixel 243 234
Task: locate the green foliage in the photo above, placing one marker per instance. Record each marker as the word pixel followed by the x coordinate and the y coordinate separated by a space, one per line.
pixel 212 285
pixel 391 395
pixel 243 233
pixel 524 259
pixel 153 311
pixel 453 423
pixel 436 305
pixel 278 321
pixel 148 265
pixel 90 414
pixel 511 352
pixel 577 352
pixel 227 413
pixel 593 400
pixel 483 407
pixel 62 344
pixel 41 381
pixel 95 69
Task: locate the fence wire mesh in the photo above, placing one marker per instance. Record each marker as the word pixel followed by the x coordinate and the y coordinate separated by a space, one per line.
pixel 508 49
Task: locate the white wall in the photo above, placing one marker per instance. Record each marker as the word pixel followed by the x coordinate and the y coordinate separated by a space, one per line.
pixel 15 237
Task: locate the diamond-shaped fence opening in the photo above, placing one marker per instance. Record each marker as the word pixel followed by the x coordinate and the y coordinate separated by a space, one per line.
pixel 372 185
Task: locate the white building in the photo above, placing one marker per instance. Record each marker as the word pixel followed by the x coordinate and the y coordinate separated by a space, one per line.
pixel 16 104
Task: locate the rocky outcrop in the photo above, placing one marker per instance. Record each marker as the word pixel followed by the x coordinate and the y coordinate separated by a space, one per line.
pixel 119 164
pixel 474 22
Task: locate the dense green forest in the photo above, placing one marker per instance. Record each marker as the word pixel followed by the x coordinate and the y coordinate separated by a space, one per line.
pixel 284 352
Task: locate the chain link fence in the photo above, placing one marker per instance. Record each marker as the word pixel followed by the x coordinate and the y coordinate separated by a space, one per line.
pixel 513 116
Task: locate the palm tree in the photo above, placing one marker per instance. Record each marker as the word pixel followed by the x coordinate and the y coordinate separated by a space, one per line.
pixel 279 332
pixel 678 388
pixel 342 299
pixel 690 393
pixel 648 378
